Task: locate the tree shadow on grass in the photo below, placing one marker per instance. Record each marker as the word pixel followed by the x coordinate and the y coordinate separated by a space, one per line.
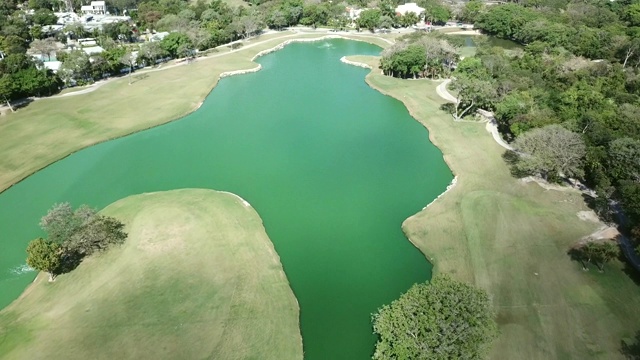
pixel 629 270
pixel 140 77
pixel 631 349
pixel 576 255
pixel 70 261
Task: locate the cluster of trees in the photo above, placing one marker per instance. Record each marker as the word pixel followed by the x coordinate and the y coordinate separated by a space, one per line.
pixel 72 235
pixel 567 116
pixel 444 319
pixel 19 74
pixel 385 17
pixel 193 26
pixel 421 55
pixel 593 29
pixel 597 253
pixel 79 68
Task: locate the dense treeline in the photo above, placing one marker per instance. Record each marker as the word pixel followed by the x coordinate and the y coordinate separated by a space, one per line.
pixel 19 75
pixel 570 102
pixel 194 26
pixel 421 55
pixel 593 29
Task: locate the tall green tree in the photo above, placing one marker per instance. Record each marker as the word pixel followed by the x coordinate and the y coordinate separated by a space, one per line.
pixel 172 42
pixel 369 19
pixel 81 232
pixel 44 255
pixel 471 11
pixel 443 319
pixel 473 93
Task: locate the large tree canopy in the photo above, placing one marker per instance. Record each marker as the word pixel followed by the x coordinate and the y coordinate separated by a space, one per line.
pixel 444 319
pixel 551 151
pixel 74 235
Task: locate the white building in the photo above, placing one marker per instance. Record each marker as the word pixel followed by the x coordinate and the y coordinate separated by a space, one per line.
pixel 92 50
pixel 95 8
pixel 158 36
pixel 409 7
pixel 52 65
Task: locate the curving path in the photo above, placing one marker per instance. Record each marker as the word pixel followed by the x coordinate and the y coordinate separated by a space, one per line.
pixel 492 124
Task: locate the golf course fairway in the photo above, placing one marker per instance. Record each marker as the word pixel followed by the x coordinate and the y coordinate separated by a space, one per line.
pixel 332 166
pixel 197 278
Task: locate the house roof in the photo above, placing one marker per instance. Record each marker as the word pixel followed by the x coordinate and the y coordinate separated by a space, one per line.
pixel 53 65
pixel 158 36
pixel 409 7
pixel 93 50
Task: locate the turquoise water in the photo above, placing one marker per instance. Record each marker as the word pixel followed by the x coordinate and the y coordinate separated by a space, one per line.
pixel 332 167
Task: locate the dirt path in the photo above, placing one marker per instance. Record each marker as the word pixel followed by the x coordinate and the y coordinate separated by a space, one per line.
pixel 492 125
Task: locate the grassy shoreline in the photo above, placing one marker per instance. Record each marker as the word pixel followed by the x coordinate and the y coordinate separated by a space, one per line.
pixel 511 239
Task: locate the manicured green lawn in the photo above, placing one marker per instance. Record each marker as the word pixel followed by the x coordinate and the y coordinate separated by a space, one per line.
pixel 511 239
pixel 197 278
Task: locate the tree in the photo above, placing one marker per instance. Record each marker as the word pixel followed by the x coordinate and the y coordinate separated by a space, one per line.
pixel 605 252
pixel 409 19
pixel 7 90
pixel 386 22
pixel 44 17
pixel 632 14
pixel 61 221
pixel 151 51
pixel 505 21
pixel 44 255
pixel 624 159
pixel 552 152
pixel 471 11
pixel 128 60
pixel 437 13
pixel 472 94
pixel 314 15
pixel 76 67
pixel 44 47
pixel 403 61
pixel 81 232
pixel 172 42
pixel 598 253
pixel 444 319
pixel 277 20
pixel 369 19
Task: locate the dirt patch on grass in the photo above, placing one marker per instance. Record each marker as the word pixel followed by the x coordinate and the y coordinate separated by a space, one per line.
pixel 589 215
pixel 162 240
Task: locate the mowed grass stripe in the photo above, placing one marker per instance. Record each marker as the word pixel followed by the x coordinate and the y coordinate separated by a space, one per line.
pixel 198 278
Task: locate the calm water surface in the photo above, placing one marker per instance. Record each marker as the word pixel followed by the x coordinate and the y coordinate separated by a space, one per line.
pixel 332 166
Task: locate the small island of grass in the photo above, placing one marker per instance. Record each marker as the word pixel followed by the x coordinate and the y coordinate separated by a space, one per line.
pixel 197 278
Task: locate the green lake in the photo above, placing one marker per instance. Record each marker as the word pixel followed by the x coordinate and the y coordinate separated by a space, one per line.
pixel 332 166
